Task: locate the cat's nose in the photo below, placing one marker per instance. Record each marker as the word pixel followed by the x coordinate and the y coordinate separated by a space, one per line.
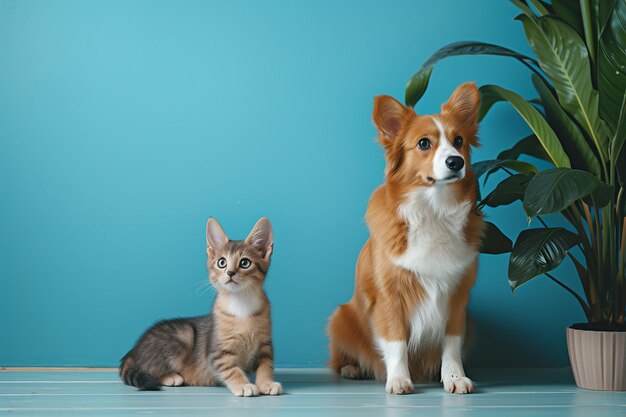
pixel 230 273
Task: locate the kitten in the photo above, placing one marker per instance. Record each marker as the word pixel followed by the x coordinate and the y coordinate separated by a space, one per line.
pixel 222 347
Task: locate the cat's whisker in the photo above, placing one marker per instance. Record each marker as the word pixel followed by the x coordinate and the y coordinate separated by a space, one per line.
pixel 213 286
pixel 203 287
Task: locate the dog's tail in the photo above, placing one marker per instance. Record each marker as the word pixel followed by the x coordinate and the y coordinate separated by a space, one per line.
pixel 134 376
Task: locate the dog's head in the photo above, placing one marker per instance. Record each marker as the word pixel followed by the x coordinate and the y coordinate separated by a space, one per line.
pixel 429 150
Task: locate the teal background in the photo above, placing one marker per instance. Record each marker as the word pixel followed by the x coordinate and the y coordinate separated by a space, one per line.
pixel 125 124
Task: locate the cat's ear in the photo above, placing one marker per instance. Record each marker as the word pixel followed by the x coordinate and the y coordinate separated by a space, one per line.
pixel 215 236
pixel 262 237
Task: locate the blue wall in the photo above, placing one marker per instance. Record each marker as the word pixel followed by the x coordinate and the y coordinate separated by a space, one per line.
pixel 125 124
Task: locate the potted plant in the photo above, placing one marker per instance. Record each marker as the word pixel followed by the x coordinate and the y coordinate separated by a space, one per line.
pixel 578 124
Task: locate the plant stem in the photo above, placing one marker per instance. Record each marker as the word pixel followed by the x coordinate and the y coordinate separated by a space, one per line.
pixel 570 214
pixel 583 275
pixel 507 171
pixel 619 282
pixel 571 291
pixel 573 215
pixel 600 246
pixel 611 258
pixel 542 222
pixel 589 223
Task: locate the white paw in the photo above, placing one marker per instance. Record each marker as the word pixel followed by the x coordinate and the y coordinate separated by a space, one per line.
pixel 274 388
pixel 399 386
pixel 172 380
pixel 246 390
pixel 458 385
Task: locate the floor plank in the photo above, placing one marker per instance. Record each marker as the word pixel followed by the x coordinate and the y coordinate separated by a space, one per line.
pixel 310 392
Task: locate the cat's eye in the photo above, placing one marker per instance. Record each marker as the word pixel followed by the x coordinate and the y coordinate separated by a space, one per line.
pixel 221 263
pixel 423 144
pixel 458 142
pixel 245 263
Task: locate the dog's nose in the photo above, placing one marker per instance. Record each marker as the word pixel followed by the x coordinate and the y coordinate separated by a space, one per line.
pixel 455 163
pixel 230 273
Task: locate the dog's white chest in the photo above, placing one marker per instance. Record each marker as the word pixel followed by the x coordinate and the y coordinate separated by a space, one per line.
pixel 436 244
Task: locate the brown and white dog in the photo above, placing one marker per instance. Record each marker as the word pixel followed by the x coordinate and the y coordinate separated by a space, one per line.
pixel 406 319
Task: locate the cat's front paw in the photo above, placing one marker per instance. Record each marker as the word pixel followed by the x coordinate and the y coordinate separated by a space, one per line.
pixel 458 385
pixel 246 390
pixel 271 388
pixel 399 386
pixel 172 380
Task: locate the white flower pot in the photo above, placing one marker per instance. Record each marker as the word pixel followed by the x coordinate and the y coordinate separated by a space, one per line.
pixel 598 358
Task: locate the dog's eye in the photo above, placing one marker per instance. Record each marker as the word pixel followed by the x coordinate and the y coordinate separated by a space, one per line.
pixel 221 263
pixel 458 142
pixel 423 144
pixel 245 263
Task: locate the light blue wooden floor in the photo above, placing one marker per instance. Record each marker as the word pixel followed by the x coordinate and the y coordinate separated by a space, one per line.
pixel 310 392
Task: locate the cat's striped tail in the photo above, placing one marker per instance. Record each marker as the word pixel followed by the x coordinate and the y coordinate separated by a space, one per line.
pixel 134 376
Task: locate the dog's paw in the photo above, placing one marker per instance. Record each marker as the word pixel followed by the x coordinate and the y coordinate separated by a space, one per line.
pixel 458 385
pixel 271 388
pixel 399 386
pixel 351 372
pixel 246 390
pixel 172 380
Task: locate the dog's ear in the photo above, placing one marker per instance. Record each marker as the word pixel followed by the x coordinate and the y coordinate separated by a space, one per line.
pixel 389 116
pixel 463 104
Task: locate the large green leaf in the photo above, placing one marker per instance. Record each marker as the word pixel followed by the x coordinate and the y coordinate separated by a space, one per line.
pixel 491 94
pixel 537 251
pixel 418 83
pixel 601 196
pixel 507 191
pixel 489 166
pixel 564 58
pixel 612 63
pixel 528 146
pixel 494 241
pixel 555 189
pixel 572 139
pixel 569 12
pixel 603 10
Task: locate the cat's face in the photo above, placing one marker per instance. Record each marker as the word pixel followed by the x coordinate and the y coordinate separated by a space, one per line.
pixel 236 265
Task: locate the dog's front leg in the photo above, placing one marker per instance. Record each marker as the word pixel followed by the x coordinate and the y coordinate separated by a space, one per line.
pixel 396 360
pixel 391 337
pixel 452 372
